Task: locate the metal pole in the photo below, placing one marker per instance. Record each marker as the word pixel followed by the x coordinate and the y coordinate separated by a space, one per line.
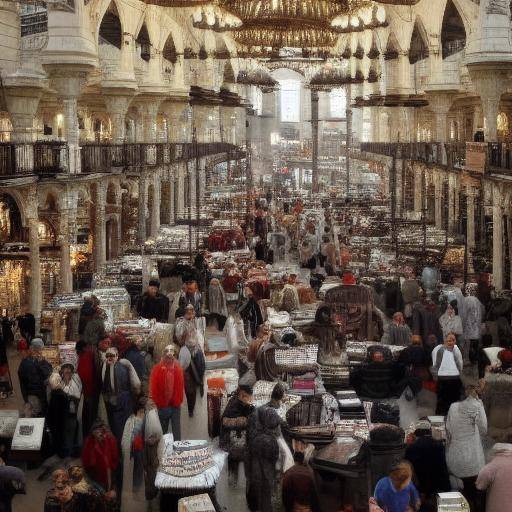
pixel 314 135
pixel 348 145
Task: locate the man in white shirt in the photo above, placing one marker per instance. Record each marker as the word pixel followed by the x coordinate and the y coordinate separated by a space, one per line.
pixel 447 363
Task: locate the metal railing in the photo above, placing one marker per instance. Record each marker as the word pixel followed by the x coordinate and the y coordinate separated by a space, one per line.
pixel 451 155
pixel 34 23
pixel 33 158
pixel 108 157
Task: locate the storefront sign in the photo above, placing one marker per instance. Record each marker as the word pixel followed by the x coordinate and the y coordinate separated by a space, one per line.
pixel 476 153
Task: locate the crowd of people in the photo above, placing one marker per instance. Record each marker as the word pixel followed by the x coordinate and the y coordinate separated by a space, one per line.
pixel 114 406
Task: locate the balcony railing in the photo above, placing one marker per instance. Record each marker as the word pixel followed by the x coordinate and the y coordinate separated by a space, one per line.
pixel 498 157
pixel 33 158
pixel 449 155
pixel 106 157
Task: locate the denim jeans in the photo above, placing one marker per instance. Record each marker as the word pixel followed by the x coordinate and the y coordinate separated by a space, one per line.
pixel 172 415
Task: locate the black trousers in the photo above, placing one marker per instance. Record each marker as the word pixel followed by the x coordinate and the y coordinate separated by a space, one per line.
pixel 449 390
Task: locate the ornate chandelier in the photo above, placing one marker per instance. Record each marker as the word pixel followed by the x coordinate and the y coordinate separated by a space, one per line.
pixel 288 23
pixel 178 3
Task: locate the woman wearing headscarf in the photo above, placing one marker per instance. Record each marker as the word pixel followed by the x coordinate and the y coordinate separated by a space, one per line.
pixel 65 410
pixel 141 428
pixel 450 321
pixel 262 479
pixel 495 478
pixel 120 384
pixel 497 397
pixel 466 424
pixel 191 356
pixel 217 305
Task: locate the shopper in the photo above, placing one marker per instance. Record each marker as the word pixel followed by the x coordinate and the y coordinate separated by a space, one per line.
pixel 217 304
pixel 495 478
pixel 466 424
pixel 100 458
pixel 120 385
pixel 166 387
pixel 12 482
pixel 33 374
pixel 87 371
pixel 450 321
pixel 472 320
pixel 64 411
pixel 428 459
pixel 399 332
pixel 447 367
pixel 299 491
pixel 191 297
pixel 396 492
pixel 250 313
pixel 263 456
pixel 191 356
pixel 153 305
pixel 497 394
pixel 27 324
pixel 233 430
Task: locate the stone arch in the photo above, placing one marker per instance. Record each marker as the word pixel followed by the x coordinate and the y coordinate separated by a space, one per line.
pixel 229 74
pixel 11 218
pixel 110 29
pixel 143 42
pixel 111 193
pixel 169 52
pixel 393 48
pixel 419 46
pixel 453 30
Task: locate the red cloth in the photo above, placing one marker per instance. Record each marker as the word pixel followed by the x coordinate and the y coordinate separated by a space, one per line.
pixel 86 370
pixel 166 385
pixel 98 457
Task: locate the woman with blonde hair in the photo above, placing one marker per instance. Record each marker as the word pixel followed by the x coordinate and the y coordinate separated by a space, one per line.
pixel 396 492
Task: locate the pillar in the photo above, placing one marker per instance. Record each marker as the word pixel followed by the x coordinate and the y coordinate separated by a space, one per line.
pixel 181 193
pixel 22 103
pixel 117 108
pixel 418 188
pixel 440 103
pixel 452 187
pixel 155 208
pixel 470 222
pixel 35 268
pixel 438 192
pixel 497 238
pixel 150 120
pixel 143 200
pixel 100 235
pixel 172 205
pixel 314 134
pixel 66 276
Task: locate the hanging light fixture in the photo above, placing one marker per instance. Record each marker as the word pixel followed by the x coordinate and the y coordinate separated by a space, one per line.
pixel 288 23
pixel 178 3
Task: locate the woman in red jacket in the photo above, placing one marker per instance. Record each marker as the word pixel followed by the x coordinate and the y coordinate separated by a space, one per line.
pixel 166 387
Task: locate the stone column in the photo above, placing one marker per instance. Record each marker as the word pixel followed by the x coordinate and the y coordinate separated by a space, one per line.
pixel 438 192
pixel 470 222
pixel 65 211
pixel 172 205
pixel 181 192
pixel 68 83
pixel 100 235
pixel 35 286
pixel 155 208
pixel 22 103
pixel 497 238
pixel 117 108
pixel 418 189
pixel 150 121
pixel 452 187
pixel 174 113
pixel 440 103
pixel 143 200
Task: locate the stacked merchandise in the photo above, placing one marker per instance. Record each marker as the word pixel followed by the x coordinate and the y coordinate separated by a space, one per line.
pixel 350 405
pixel 355 428
pixel 357 351
pixel 115 301
pixel 304 385
pixel 452 502
pixel 176 240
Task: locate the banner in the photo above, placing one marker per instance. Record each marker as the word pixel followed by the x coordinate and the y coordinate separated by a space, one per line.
pixel 476 153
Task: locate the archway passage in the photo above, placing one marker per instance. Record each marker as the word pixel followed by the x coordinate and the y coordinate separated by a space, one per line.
pixel 144 43
pixel 453 33
pixel 169 52
pixel 112 238
pixel 11 228
pixel 418 49
pixel 110 28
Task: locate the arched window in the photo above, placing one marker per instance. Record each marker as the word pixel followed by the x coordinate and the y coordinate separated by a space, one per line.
pixel 290 101
pixel 338 102
pixel 110 28
pixel 453 33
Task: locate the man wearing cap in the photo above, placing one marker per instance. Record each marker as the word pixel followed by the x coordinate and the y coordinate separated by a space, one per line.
pixel 166 387
pixel 153 305
pixel 33 374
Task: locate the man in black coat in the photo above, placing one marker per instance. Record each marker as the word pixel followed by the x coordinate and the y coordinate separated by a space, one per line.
pixel 153 304
pixel 428 459
pixel 33 374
